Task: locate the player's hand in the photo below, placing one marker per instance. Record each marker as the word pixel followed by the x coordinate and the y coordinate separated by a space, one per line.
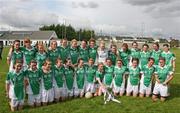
pixel 164 83
pixel 7 95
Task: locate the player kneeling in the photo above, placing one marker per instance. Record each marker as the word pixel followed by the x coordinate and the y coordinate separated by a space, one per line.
pixel 146 78
pixel 15 87
pixel 133 79
pixel 69 78
pixel 119 78
pixel 58 81
pixel 99 77
pixel 33 89
pixel 91 74
pixel 47 84
pixel 80 79
pixel 163 75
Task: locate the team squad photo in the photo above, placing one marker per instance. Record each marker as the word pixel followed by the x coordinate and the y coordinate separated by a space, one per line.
pixel 41 75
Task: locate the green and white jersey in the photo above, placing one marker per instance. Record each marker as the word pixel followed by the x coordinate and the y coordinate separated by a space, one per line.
pixel 113 57
pixel 58 76
pixel 93 53
pixel 69 77
pixel 34 81
pixel 74 55
pixel 144 56
pixel 64 52
pixel 47 80
pixel 84 54
pixel 29 54
pixel 108 75
pixel 163 72
pixel 91 73
pixel 17 55
pixel 147 74
pixel 80 77
pixel 118 74
pixel 40 58
pixel 53 55
pixel 124 55
pixel 135 53
pixel 156 55
pixel 169 57
pixel 100 75
pixel 134 75
pixel 16 81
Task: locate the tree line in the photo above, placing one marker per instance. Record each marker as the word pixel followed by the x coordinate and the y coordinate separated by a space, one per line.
pixel 69 32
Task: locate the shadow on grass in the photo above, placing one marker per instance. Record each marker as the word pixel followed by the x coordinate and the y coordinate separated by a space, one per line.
pixel 174 91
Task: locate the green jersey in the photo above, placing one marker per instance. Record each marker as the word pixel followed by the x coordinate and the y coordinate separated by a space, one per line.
pixel 100 75
pixel 93 53
pixel 16 80
pixel 135 53
pixel 156 55
pixel 147 73
pixel 169 57
pixel 91 73
pixel 53 55
pixel 163 72
pixel 118 74
pixel 47 79
pixel 17 55
pixel 134 74
pixel 59 76
pixel 34 80
pixel 69 77
pixel 29 54
pixel 80 77
pixel 108 77
pixel 144 56
pixel 40 58
pixel 84 54
pixel 74 55
pixel 124 55
pixel 113 57
pixel 64 53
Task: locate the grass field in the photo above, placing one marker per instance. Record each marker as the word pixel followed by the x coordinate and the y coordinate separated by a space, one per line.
pixel 95 105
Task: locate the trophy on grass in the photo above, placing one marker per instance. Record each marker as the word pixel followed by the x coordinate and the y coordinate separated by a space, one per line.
pixel 108 96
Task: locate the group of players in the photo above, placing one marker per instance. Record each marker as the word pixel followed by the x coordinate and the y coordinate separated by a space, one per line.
pixel 57 73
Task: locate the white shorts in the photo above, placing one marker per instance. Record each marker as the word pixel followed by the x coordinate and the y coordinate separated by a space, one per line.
pixel 145 90
pixel 59 92
pixel 131 88
pixel 48 95
pixel 15 102
pixel 34 99
pixel 90 87
pixel 160 89
pixel 118 89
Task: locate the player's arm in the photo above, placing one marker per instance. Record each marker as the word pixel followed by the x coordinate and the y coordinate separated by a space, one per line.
pixel 9 56
pixel 7 86
pixel 156 78
pixel 170 77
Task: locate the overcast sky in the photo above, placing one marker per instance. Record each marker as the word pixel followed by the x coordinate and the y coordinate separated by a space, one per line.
pixel 123 17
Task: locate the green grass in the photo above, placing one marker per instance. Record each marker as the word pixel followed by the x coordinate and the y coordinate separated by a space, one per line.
pixel 95 105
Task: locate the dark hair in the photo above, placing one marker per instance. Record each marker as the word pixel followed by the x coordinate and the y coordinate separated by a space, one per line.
pixel 134 42
pixel 162 58
pixel 80 60
pixel 135 59
pixel 165 45
pixel 145 45
pixel 108 59
pixel 14 43
pixel 66 60
pixel 150 58
pixel 84 41
pixel 33 61
pixel 156 43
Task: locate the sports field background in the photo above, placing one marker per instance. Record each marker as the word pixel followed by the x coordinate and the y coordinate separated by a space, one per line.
pixel 95 105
